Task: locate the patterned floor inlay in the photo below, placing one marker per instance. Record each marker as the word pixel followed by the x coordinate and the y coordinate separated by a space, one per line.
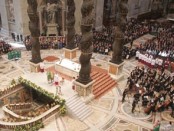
pixel 6 67
pixel 103 103
pixel 109 124
pixel 97 116
pixel 74 124
pixel 15 74
pixel 138 113
pixel 123 127
pixel 143 129
pixel 166 116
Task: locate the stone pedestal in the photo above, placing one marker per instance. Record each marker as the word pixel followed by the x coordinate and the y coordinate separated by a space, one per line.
pixel 70 54
pixel 34 67
pixel 116 70
pixel 52 29
pixel 83 90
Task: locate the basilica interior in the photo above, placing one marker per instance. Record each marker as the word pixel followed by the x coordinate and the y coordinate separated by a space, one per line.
pixel 87 65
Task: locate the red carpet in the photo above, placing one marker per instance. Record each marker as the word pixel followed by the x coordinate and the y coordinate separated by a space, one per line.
pixel 51 58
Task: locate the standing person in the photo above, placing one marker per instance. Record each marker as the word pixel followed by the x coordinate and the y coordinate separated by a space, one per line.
pixel 73 85
pixel 156 126
pixel 56 79
pixel 62 81
pixel 59 90
pixel 172 106
pixel 124 94
pixel 42 66
pixel 134 105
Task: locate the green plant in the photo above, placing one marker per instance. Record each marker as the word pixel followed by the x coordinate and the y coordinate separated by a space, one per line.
pixel 13 82
pixel 62 110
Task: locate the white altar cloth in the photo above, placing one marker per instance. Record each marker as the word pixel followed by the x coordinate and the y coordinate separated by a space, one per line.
pixel 68 67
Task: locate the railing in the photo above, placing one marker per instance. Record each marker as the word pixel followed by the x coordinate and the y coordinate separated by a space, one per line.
pixel 42 117
pixel 10 90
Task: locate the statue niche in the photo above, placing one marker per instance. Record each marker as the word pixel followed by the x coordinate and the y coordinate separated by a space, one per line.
pixel 51 12
pixel 52 25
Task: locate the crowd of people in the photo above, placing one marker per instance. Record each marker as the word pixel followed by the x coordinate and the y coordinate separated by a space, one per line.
pixel 152 88
pixel 47 42
pixel 160 50
pixel 103 40
pixel 5 47
pixel 135 29
pixel 128 53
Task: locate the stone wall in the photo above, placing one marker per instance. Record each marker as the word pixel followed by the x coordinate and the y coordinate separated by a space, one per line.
pixel 138 7
pixel 21 95
pixel 20 23
pixel 3 12
pixel 99 7
pixel 78 15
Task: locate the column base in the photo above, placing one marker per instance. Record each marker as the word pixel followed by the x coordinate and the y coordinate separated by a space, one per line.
pixel 116 70
pixel 34 67
pixel 83 90
pixel 52 29
pixel 70 54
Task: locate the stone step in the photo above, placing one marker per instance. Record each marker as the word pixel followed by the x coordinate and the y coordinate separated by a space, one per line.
pixel 82 116
pixel 102 81
pixel 68 102
pixel 85 116
pixel 104 85
pixel 104 90
pixel 73 102
pixel 81 110
pixel 77 107
pixel 101 76
pixel 69 99
pixel 95 76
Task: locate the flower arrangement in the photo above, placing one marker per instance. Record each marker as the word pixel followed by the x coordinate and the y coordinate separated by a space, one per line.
pixel 35 127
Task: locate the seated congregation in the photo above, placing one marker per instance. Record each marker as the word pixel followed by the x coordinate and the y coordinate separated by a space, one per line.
pixel 158 51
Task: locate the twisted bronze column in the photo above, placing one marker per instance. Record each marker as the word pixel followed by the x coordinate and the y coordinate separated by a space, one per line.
pixel 119 32
pixel 34 29
pixel 86 42
pixel 70 25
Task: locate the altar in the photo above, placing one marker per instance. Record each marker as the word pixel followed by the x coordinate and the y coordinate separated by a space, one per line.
pixel 68 67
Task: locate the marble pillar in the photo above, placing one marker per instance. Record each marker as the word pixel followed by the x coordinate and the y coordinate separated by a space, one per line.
pixel 116 63
pixel 34 29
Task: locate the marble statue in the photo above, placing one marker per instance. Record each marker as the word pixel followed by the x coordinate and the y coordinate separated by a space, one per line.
pixel 51 12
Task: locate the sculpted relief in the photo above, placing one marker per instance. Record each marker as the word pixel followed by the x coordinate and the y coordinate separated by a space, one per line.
pixel 10 11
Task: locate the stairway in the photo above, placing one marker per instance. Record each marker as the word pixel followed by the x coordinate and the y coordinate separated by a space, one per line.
pixel 103 83
pixel 78 108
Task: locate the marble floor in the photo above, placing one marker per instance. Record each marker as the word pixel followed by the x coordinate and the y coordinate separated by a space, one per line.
pixel 109 113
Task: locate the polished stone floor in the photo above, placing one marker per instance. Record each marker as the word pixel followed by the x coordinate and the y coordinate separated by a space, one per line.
pixel 109 113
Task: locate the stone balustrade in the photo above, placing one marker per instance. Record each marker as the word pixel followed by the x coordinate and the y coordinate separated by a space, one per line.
pixel 42 117
pixel 10 90
pixel 8 109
